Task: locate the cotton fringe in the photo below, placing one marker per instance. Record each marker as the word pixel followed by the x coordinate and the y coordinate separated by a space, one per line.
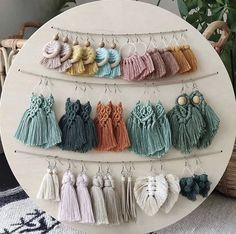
pixel 98 203
pixel 190 57
pixel 131 206
pixel 84 200
pixel 68 207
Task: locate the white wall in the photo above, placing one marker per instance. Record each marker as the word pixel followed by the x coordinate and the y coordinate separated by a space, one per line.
pixel 14 12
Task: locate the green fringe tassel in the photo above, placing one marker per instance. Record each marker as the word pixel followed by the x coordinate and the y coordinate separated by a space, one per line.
pixel 32 128
pixel 53 130
pixel 212 121
pixel 89 128
pixel 72 127
pixel 187 126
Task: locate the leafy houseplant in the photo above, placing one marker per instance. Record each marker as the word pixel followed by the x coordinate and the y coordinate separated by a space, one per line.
pixel 200 13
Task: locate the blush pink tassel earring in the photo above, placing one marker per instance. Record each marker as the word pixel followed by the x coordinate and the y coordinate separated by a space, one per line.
pixel 68 206
pixel 84 198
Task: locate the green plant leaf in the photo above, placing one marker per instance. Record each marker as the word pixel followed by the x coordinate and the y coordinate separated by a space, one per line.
pixel 182 7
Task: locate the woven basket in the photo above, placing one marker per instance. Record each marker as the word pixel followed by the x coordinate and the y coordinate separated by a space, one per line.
pixel 227 184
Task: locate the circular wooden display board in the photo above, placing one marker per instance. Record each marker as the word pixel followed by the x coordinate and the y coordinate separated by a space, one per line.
pixel 115 17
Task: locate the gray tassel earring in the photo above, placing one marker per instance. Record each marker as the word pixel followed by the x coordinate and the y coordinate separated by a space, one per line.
pixel 131 208
pixel 123 194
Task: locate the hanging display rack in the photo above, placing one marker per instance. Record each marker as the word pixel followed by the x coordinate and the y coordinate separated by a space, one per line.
pixel 120 34
pixel 136 84
pixel 148 160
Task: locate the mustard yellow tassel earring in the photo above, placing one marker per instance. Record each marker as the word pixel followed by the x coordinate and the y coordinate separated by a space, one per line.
pixel 77 67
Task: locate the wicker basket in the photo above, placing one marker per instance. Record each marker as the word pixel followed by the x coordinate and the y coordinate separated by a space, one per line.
pixel 227 184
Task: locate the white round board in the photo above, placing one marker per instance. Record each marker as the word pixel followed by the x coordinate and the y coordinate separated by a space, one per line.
pixel 116 17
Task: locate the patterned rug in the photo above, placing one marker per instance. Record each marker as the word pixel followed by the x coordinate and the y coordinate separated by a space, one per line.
pixel 18 214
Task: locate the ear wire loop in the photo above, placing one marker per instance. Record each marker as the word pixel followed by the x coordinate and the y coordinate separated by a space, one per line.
pixel 198 166
pixel 117 92
pixel 187 168
pixel 164 41
pixel 74 96
pixel 37 90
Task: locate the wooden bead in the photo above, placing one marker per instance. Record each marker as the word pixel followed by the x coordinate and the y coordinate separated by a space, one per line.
pixel 102 44
pixel 196 99
pixel 87 44
pixel 182 101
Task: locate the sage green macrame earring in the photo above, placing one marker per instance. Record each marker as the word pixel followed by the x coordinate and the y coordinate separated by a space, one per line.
pixel 211 119
pixel 187 124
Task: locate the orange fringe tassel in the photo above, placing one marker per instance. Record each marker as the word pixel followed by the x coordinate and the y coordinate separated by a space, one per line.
pixel 103 123
pixel 181 60
pixel 119 128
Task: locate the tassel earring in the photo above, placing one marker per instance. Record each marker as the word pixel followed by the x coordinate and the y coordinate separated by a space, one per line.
pixel 188 53
pixel 102 59
pixel 97 198
pixel 72 127
pixel 84 198
pixel 187 124
pixel 111 200
pixel 131 206
pixel 188 185
pixel 89 128
pixel 89 56
pixel 68 207
pixel 53 130
pixel 114 61
pixel 65 54
pixel 51 53
pixel 151 192
pixel 201 178
pixel 124 194
pixel 105 136
pixel 119 128
pixel 211 120
pixel 77 67
pixel 47 189
pixel 56 183
pixel 33 125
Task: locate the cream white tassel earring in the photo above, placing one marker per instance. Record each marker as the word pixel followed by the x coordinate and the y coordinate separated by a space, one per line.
pixel 47 190
pixel 151 192
pixel 56 183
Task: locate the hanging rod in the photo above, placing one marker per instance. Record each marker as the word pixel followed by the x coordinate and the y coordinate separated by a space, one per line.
pixel 148 159
pixel 134 84
pixel 119 34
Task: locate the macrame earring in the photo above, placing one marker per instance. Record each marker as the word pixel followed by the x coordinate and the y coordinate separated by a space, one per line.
pixel 179 56
pixel 72 127
pixel 102 59
pixel 65 54
pixel 111 199
pixel 114 61
pixel 201 178
pixel 68 206
pixel 84 198
pixel 53 130
pixel 51 53
pixel 158 63
pixel 211 120
pixel 33 125
pixel 187 124
pixel 119 128
pixel 103 122
pixel 188 54
pixel 130 199
pixel 97 198
pixel 89 128
pixel 77 67
pixel 163 137
pixel 151 192
pixel 188 185
pixel 47 189
pixel 171 65
pixel 173 191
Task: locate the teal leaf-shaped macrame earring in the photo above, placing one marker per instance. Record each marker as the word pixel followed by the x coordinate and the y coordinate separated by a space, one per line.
pixel 211 119
pixel 187 124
